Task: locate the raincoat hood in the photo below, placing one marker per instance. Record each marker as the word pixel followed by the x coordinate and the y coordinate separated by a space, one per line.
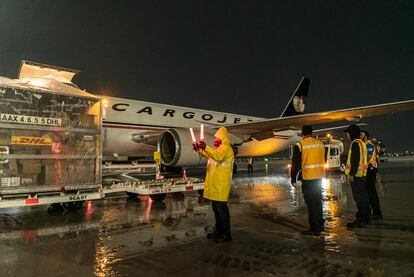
pixel 223 135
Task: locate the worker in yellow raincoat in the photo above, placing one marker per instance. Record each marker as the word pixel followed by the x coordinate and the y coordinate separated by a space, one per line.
pixel 218 181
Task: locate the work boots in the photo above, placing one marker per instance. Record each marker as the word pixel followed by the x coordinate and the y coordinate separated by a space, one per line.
pixel 222 238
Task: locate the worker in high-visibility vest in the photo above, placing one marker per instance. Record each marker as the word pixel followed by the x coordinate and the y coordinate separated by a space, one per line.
pixel 249 162
pixel 371 179
pixel 356 170
pixel 308 160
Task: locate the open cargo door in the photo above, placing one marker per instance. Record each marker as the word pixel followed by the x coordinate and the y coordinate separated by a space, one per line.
pixel 30 69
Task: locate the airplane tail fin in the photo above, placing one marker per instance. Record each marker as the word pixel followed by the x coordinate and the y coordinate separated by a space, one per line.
pixel 296 103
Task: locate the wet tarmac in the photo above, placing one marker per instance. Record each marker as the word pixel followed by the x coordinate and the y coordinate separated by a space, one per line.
pixel 121 236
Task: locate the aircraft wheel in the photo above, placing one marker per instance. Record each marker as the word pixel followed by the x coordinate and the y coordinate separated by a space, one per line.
pixel 158 197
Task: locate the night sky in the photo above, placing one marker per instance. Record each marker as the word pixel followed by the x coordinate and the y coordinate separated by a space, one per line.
pixel 243 57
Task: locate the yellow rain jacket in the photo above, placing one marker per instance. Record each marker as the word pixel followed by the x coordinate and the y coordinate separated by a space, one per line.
pixel 219 168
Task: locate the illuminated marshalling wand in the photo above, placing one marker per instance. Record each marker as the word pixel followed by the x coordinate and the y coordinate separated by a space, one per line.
pixel 202 132
pixel 192 135
pixel 193 138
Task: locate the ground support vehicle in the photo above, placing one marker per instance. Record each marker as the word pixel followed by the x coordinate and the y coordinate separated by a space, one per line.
pixel 333 150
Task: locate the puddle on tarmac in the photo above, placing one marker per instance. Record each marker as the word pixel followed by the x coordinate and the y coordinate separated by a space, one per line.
pixel 131 237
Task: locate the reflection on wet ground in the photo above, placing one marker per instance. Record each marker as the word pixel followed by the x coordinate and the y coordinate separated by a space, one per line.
pixel 121 236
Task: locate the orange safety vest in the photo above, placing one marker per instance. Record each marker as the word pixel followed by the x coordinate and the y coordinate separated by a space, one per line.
pixel 313 158
pixel 363 164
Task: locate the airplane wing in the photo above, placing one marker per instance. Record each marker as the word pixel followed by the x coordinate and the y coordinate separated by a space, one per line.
pixel 264 129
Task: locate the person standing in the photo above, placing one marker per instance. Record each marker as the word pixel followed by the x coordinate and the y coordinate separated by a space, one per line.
pixel 371 179
pixel 218 181
pixel 356 170
pixel 309 158
pixel 249 165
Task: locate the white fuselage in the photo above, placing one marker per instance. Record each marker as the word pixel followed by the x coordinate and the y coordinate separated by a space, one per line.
pixel 131 128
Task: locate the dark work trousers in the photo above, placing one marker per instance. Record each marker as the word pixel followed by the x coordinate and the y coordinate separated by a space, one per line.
pixel 372 190
pixel 250 169
pixel 221 212
pixel 360 194
pixel 312 193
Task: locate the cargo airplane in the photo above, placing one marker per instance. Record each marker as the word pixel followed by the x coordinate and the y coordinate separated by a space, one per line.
pixel 136 129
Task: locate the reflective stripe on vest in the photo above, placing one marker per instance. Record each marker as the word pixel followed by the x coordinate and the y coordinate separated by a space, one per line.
pixel 313 158
pixel 362 165
pixel 314 166
pixel 313 146
pixel 219 164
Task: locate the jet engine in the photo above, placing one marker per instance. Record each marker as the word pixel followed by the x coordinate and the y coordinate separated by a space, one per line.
pixel 176 149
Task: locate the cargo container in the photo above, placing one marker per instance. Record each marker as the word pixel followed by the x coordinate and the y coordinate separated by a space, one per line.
pixel 50 138
pixel 51 145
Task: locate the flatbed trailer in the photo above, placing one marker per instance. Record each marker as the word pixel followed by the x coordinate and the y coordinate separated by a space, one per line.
pixel 155 189
pixel 72 199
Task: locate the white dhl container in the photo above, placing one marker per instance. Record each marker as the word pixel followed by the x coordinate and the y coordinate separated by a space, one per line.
pixel 44 120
